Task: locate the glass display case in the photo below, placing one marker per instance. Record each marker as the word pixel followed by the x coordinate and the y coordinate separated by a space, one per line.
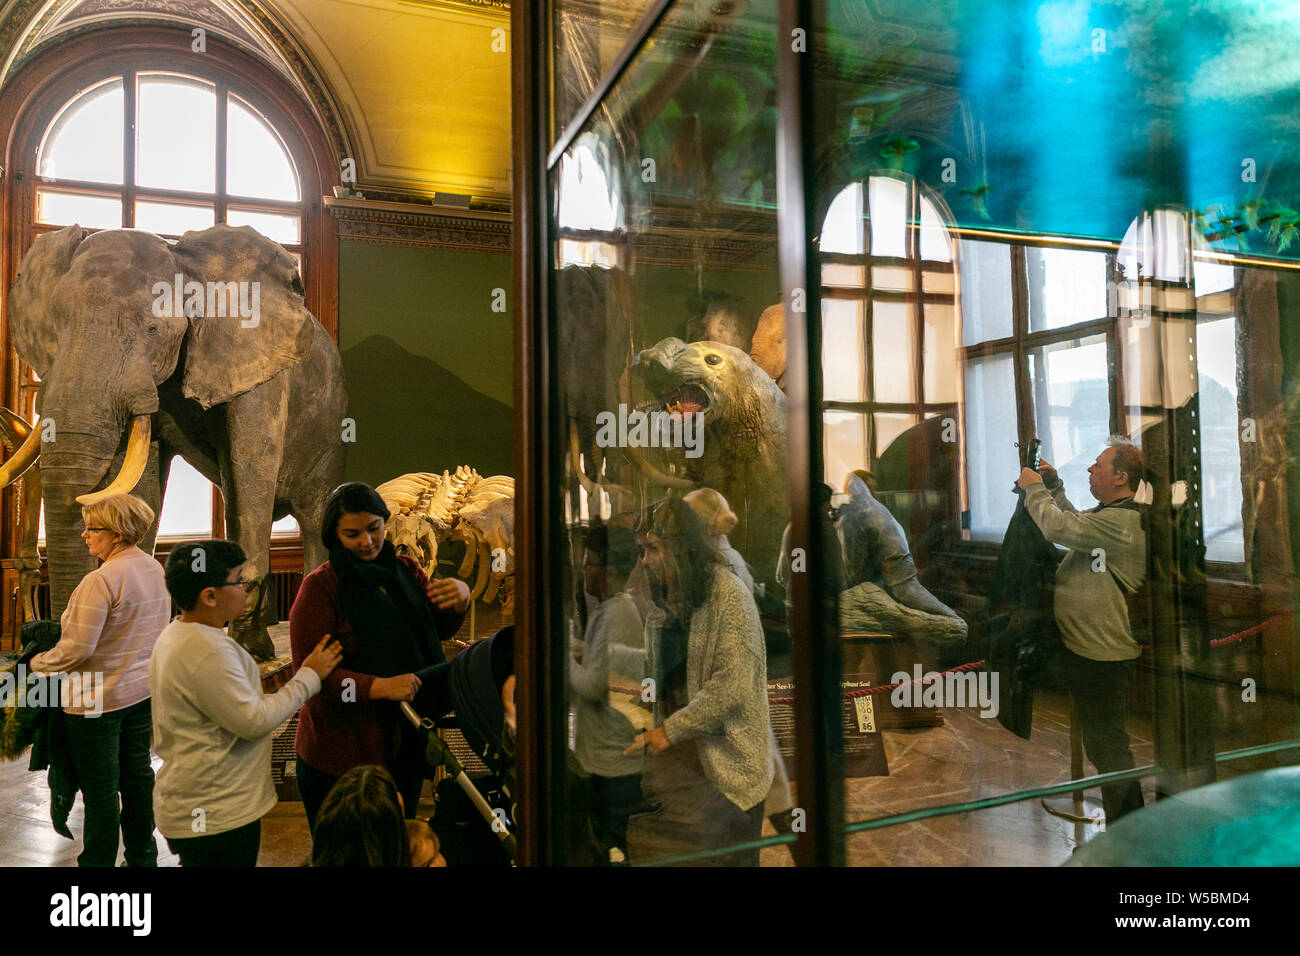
pixel 910 400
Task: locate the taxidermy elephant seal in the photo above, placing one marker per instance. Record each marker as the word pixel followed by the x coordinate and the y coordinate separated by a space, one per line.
pixel 742 453
pixel 882 592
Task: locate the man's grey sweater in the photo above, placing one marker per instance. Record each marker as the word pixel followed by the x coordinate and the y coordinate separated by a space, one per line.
pixel 1090 609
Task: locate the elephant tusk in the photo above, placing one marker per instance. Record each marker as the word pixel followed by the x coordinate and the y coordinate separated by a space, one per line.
pixel 13 429
pixel 133 464
pixel 27 453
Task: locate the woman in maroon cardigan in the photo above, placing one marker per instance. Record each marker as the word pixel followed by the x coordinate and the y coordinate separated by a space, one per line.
pixel 391 620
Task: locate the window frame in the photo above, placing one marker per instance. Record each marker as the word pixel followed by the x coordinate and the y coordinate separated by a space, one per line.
pixel 1023 341
pixel 915 300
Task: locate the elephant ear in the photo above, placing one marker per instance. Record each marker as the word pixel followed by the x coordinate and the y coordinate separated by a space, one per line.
pixel 271 330
pixel 32 318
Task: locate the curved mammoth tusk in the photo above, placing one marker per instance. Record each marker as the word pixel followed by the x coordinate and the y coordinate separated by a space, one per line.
pixel 655 475
pixel 30 449
pixel 137 456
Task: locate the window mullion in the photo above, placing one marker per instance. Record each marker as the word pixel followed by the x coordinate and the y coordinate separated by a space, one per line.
pixel 918 303
pixel 1019 329
pixel 223 113
pixel 129 118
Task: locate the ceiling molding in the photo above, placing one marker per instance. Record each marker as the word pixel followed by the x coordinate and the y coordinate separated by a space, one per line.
pixel 746 246
pixel 405 224
pixel 498 9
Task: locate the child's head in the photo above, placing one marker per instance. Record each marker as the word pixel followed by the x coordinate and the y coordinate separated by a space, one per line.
pixel 425 848
pixel 612 553
pixel 195 566
pixel 712 509
pixel 360 822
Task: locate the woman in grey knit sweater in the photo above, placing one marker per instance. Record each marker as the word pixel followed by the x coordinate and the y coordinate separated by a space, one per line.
pixel 710 756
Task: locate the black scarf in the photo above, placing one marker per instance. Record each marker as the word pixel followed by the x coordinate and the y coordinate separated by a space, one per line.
pixel 390 615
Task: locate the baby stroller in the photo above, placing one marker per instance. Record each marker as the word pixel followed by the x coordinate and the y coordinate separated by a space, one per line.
pixel 474 816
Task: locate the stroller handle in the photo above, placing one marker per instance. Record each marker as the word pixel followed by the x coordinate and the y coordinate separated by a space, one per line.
pixel 463 781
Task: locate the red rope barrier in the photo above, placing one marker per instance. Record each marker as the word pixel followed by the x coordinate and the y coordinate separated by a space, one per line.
pixel 882 688
pixel 1251 631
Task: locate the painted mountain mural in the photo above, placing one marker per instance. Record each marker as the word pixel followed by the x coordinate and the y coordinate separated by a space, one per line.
pixel 414 415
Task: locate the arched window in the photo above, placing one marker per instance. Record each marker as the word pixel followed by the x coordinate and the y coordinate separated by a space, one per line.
pixel 590 211
pixel 888 288
pixel 200 155
pixel 126 128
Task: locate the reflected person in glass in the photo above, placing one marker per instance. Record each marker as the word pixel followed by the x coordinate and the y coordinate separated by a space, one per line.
pixel 712 765
pixel 1107 559
pixel 713 509
pixel 610 658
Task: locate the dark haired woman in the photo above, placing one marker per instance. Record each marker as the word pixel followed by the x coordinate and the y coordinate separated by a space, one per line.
pixel 360 822
pixel 391 621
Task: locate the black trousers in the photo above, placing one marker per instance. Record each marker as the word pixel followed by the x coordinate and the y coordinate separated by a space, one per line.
pixel 236 847
pixel 111 756
pixel 1100 692
pixel 314 785
pixel 614 799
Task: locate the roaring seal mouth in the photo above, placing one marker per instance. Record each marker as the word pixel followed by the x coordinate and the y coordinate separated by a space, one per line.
pixel 685 399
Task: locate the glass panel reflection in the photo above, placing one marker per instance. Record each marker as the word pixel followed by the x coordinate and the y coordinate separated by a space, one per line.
pixel 994 270
pixel 1065 287
pixel 1070 386
pixel 671 349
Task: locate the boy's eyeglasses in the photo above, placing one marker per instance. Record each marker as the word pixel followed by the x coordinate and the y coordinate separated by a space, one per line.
pixel 246 585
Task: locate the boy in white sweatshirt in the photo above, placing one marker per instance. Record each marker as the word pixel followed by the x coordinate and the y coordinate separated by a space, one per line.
pixel 212 725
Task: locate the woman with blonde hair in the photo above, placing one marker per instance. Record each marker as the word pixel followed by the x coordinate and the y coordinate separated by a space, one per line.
pixel 712 509
pixel 107 633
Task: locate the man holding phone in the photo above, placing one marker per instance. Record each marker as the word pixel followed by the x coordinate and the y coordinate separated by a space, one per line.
pixel 1107 558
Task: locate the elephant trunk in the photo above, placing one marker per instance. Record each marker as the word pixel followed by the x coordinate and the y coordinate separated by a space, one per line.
pixel 69 561
pixel 81 432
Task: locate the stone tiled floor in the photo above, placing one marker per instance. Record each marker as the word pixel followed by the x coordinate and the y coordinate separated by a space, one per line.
pixel 967 758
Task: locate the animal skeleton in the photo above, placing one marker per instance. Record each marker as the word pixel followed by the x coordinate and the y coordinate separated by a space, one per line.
pixel 428 508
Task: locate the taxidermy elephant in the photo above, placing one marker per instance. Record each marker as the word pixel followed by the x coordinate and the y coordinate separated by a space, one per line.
pixel 203 349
